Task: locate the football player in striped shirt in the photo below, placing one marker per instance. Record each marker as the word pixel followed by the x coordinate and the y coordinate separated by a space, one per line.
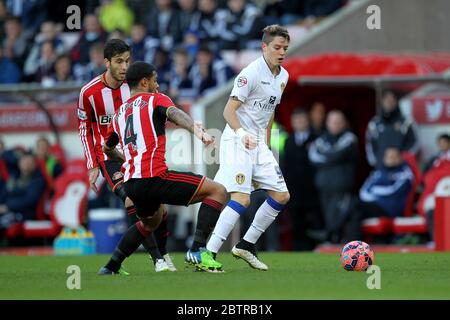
pixel 99 100
pixel 139 127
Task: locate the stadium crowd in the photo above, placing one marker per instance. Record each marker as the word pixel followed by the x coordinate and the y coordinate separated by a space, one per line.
pixel 184 39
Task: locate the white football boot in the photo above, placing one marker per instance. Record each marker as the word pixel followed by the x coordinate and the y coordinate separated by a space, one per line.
pixel 250 258
pixel 169 262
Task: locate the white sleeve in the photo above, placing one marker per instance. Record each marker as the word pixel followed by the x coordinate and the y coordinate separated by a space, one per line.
pixel 243 85
pixel 286 79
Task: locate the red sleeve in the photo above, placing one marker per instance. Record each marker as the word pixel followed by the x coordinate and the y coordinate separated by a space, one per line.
pixel 163 101
pixel 84 115
pixel 112 138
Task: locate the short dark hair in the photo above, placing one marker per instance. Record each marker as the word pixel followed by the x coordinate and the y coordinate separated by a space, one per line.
pixel 114 47
pixel 389 91
pixel 300 111
pixel 137 71
pixel 273 31
pixel 444 136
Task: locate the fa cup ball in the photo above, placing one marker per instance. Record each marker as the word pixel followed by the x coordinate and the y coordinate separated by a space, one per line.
pixel 356 256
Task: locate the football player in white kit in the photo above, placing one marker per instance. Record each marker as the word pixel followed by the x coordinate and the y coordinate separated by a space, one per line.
pixel 246 161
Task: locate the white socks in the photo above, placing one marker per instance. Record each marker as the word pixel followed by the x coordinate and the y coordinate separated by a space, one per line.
pixel 265 215
pixel 227 220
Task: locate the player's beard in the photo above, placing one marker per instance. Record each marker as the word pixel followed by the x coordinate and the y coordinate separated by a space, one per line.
pixel 116 75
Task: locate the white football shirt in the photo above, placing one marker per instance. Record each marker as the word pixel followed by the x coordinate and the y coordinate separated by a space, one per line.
pixel 260 92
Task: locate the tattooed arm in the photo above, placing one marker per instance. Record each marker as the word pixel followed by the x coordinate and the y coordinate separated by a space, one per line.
pixel 182 119
pixel 109 148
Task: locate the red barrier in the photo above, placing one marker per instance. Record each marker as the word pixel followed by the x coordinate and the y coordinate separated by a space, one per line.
pixel 442 224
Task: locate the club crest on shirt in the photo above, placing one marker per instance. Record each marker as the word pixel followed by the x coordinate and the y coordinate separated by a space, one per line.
pixel 242 81
pixel 282 86
pixel 240 178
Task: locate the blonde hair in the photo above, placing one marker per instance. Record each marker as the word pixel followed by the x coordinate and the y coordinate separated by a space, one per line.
pixel 273 31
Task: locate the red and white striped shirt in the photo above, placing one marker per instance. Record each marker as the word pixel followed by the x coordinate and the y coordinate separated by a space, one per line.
pixel 96 105
pixel 140 126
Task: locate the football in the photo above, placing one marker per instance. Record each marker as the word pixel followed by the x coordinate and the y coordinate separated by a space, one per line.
pixel 356 256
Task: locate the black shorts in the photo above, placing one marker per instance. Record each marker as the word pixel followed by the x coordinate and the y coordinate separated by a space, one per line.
pixel 111 171
pixel 170 187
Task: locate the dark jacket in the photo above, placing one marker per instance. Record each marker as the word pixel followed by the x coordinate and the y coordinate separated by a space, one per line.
pixel 388 188
pixel 299 172
pixel 23 194
pixel 389 130
pixel 335 158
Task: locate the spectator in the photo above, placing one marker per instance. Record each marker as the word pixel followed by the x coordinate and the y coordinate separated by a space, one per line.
pixel 389 129
pixel 15 44
pixel 162 66
pixel 63 69
pixel 242 26
pixel 334 154
pixel 443 142
pixel 272 12
pixel 49 32
pixel 299 173
pixel 319 8
pixel 10 159
pixel 46 62
pixel 95 66
pixel 317 115
pixel 22 193
pixel 10 72
pixel 163 23
pixel 180 84
pixel 92 33
pixel 3 16
pixel 116 34
pixel 208 73
pixel 139 7
pixel 188 8
pixel 31 13
pixel 384 193
pixel 389 186
pixel 115 15
pixel 208 23
pixel 191 42
pixel 292 11
pixel 45 160
pixel 137 42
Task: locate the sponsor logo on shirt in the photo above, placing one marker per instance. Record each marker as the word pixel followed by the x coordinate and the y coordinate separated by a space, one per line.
pixel 264 106
pixel 104 119
pixel 272 99
pixel 242 81
pixel 265 82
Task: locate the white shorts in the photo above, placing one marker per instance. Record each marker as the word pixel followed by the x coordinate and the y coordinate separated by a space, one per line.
pixel 243 170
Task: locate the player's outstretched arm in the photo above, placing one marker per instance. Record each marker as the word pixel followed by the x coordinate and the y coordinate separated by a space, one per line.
pixel 182 119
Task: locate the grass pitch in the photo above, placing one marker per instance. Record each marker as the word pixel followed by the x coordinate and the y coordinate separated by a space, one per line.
pixel 291 276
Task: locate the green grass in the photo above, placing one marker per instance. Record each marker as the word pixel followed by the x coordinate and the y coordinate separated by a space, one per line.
pixel 291 276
